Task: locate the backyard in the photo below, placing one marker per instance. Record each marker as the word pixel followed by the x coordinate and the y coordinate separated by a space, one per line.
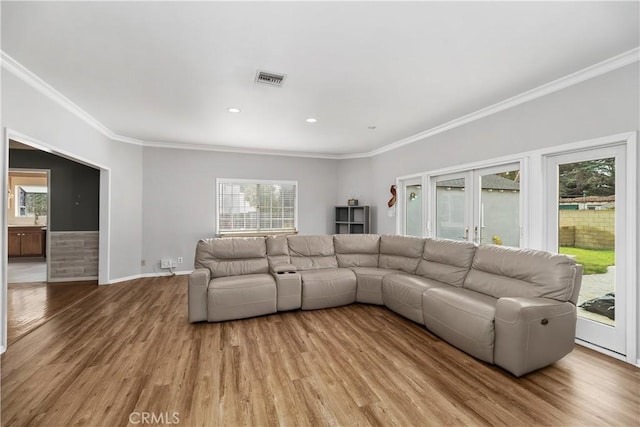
pixel 594 261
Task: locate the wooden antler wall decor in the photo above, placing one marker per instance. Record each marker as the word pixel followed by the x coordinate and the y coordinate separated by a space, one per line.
pixel 392 200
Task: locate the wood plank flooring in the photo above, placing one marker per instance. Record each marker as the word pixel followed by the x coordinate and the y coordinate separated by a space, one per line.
pixel 128 349
pixel 31 304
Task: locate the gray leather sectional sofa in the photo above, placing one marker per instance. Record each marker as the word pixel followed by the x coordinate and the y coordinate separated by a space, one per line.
pixel 514 308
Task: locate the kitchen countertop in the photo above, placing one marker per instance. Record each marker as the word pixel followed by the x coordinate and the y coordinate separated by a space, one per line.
pixel 44 227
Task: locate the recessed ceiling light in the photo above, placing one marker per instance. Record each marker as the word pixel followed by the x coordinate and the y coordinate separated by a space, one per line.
pixel 233 110
pixel 311 120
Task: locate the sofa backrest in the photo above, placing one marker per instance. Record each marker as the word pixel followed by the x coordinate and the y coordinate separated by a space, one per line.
pixel 277 251
pixel 312 252
pixel 400 252
pixel 232 256
pixel 446 261
pixel 357 250
pixel 500 272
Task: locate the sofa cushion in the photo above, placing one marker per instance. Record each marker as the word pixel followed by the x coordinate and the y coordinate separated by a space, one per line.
pixel 446 261
pixel 357 250
pixel 402 293
pixel 463 318
pixel 508 272
pixel 232 256
pixel 239 297
pixel 400 253
pixel 369 281
pixel 312 252
pixel 277 251
pixel 328 287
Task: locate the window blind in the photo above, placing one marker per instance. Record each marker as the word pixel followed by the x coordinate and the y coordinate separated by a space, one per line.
pixel 257 206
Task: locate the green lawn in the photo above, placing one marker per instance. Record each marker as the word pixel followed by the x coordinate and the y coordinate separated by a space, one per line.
pixel 594 261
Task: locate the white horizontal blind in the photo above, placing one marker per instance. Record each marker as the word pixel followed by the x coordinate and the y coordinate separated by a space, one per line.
pixel 245 206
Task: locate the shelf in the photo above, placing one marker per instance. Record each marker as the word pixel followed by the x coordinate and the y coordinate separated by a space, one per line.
pixel 352 219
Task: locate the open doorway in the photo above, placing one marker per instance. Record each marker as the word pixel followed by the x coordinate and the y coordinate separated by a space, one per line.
pixel 27 218
pixel 53 235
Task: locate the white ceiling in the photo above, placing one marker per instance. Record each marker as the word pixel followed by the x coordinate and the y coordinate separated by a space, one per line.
pixel 167 72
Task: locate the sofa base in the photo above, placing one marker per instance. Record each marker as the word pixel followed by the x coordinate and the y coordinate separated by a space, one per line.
pixel 240 297
pixel 329 287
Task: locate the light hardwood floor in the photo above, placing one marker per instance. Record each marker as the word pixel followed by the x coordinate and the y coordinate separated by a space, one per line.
pixel 128 348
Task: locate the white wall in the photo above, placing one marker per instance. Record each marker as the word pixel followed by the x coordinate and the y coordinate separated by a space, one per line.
pixel 354 181
pixel 28 112
pixel 179 196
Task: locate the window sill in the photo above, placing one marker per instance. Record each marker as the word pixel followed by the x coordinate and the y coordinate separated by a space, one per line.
pixel 257 233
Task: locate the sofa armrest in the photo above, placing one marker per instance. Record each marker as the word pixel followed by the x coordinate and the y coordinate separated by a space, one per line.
pixel 531 333
pixel 198 284
pixel 283 268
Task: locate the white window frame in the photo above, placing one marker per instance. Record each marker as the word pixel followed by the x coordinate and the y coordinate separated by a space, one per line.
pixel 258 231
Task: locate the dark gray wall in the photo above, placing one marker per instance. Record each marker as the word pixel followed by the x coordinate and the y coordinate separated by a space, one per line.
pixel 75 189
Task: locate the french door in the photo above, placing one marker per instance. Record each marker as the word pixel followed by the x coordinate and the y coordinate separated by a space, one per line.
pixel 412 206
pixel 483 206
pixel 586 205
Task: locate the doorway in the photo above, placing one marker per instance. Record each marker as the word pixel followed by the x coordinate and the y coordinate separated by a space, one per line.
pixel 586 219
pixel 72 208
pixel 28 220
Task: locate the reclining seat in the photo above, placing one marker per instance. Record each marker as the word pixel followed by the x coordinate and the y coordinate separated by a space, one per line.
pixel 402 290
pixel 240 285
pixel 360 253
pixel 324 284
pixel 515 308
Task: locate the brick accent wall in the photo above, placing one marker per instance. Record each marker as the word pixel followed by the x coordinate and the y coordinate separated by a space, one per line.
pixel 588 229
pixel 73 255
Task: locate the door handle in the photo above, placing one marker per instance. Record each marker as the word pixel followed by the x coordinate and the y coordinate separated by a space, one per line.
pixel 475 234
pixel 466 234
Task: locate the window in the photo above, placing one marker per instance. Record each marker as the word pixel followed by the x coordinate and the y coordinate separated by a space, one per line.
pixel 251 206
pixel 31 200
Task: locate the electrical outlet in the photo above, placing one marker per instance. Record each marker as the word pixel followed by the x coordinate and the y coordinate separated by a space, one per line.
pixel 180 260
pixel 143 262
pixel 165 263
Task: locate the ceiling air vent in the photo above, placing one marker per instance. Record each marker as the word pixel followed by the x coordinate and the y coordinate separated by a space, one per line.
pixel 271 79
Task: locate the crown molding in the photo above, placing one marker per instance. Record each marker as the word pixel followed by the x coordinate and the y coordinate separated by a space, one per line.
pixel 24 74
pixel 580 76
pixel 241 150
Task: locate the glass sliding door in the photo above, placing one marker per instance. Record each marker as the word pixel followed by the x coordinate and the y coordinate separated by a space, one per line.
pixel 586 205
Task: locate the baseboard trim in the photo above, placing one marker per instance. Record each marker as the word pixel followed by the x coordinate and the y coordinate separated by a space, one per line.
pixel 603 350
pixel 145 275
pixel 73 279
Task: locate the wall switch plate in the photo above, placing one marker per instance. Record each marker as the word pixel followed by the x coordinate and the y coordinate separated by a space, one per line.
pixel 180 260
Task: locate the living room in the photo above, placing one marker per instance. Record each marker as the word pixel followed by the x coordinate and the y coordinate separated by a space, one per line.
pixel 401 94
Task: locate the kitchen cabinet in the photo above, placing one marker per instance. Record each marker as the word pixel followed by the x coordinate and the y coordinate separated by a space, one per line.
pixel 26 242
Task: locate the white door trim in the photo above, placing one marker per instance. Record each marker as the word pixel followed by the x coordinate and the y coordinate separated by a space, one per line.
pixel 105 215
